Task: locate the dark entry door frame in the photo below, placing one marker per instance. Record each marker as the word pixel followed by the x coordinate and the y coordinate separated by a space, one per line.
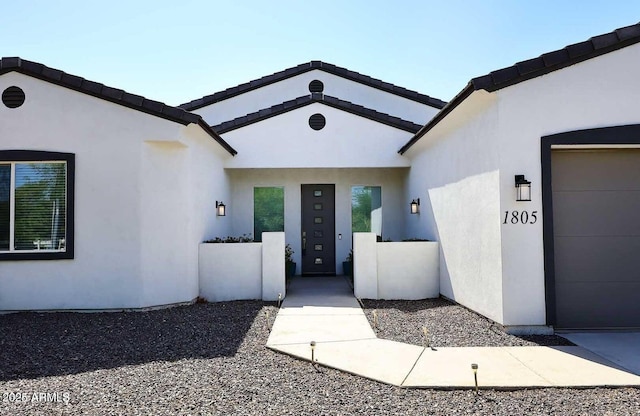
pixel 318 229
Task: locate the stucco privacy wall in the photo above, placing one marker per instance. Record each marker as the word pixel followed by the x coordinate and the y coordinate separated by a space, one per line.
pixel 395 270
pixel 394 202
pixel 111 247
pixel 298 86
pixel 347 140
pixel 455 173
pixel 599 92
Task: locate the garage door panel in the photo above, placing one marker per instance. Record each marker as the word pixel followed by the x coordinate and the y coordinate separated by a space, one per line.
pixel 595 259
pixel 591 213
pixel 593 305
pixel 596 226
pixel 592 170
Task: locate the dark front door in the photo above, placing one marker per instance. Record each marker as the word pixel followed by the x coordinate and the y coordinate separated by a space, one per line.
pixel 318 229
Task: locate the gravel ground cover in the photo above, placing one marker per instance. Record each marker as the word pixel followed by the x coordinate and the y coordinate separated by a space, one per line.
pixel 448 325
pixel 210 359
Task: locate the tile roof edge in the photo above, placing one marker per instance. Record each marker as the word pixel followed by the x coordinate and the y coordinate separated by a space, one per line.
pixel 303 101
pixel 533 68
pixel 306 67
pixel 104 92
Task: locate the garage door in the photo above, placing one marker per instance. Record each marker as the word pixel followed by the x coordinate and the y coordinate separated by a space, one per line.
pixel 596 226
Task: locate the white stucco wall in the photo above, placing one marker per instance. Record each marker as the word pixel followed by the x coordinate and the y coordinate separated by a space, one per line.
pixel 231 271
pixel 395 270
pixel 287 141
pixel 408 270
pixel 455 173
pixel 298 86
pixel 130 238
pixel 181 180
pixel 599 92
pixel 273 265
pixel 394 202
pixel 463 171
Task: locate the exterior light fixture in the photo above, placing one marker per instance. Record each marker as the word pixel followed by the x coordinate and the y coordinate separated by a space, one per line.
pixel 474 367
pixel 313 347
pixel 415 206
pixel 221 209
pixel 425 332
pixel 523 189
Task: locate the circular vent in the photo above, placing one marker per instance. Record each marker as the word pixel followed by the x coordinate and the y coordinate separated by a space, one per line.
pixel 13 97
pixel 316 86
pixel 317 121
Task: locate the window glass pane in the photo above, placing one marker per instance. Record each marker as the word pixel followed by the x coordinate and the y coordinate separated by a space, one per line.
pixel 366 209
pixel 40 212
pixel 5 195
pixel 268 210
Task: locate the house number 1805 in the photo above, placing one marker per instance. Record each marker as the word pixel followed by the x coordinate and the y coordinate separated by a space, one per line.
pixel 520 217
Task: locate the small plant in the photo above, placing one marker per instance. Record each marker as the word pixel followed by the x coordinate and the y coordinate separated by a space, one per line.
pixel 244 238
pixel 288 253
pixel 349 256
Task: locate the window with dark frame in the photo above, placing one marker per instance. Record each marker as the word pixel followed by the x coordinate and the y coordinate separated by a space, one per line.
pixel 36 205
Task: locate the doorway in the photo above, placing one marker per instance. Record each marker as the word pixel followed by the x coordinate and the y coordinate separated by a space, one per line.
pixel 318 229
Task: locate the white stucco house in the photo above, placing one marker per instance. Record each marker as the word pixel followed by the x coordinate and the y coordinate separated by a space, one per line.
pixel 129 186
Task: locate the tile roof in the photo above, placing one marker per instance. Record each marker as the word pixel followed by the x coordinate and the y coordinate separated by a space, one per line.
pixel 317 98
pixel 104 92
pixel 309 66
pixel 532 68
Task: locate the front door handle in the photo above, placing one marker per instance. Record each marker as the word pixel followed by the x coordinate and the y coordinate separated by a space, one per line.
pixel 304 240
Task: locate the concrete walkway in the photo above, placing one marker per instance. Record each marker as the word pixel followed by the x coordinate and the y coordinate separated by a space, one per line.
pixel 324 310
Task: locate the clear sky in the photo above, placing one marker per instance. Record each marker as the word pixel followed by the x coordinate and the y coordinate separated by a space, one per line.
pixel 176 51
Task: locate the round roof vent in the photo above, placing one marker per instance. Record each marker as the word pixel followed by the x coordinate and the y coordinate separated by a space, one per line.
pixel 316 86
pixel 317 121
pixel 13 97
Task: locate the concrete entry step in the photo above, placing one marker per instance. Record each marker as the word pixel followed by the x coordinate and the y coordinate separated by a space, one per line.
pixel 324 310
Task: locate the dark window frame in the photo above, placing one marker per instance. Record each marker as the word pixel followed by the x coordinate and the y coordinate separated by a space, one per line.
pixel 12 156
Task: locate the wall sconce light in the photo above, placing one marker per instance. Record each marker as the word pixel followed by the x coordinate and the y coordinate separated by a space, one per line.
pixel 523 189
pixel 415 206
pixel 221 209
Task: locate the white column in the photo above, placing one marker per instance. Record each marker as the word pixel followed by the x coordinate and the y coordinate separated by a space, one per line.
pixel 365 265
pixel 273 266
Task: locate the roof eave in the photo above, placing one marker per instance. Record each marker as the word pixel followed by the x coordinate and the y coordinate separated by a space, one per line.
pixel 455 102
pixel 536 67
pixel 319 98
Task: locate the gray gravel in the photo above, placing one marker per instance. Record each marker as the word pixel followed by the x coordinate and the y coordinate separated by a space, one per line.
pixel 210 359
pixel 448 325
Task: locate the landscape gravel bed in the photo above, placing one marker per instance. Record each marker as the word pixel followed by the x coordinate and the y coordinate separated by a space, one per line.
pixel 447 324
pixel 210 359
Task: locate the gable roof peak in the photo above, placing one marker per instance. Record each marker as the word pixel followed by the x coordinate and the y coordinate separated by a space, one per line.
pixel 114 95
pixel 306 67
